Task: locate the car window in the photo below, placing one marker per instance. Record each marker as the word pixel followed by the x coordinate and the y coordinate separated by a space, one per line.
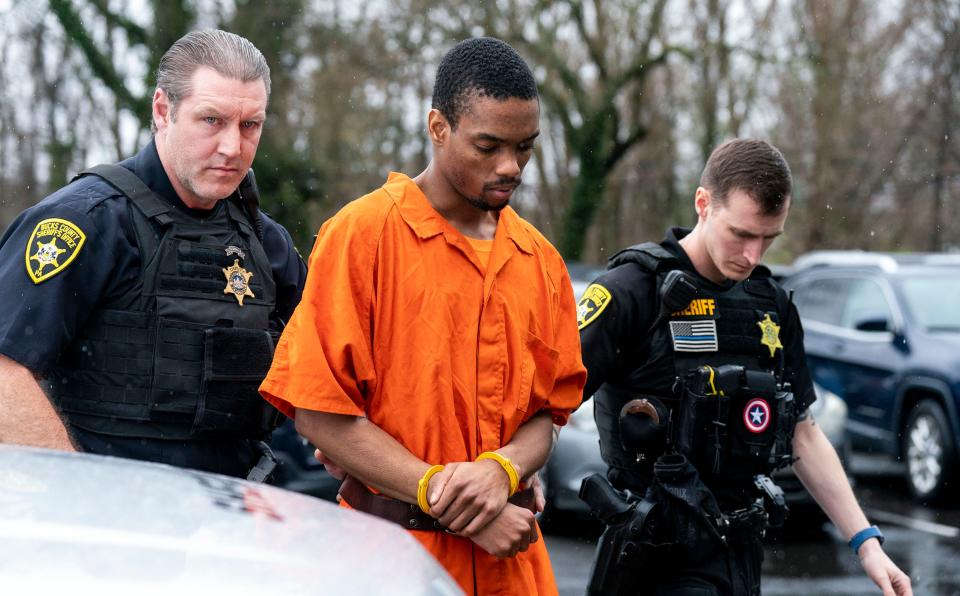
pixel 865 300
pixel 821 299
pixel 934 301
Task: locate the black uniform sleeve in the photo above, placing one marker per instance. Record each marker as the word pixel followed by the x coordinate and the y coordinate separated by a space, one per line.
pixel 289 270
pixel 609 335
pixel 56 260
pixel 796 361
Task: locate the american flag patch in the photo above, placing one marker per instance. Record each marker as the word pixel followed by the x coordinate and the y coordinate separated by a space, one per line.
pixel 694 336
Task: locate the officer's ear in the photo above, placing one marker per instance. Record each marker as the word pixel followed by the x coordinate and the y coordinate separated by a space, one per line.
pixel 702 201
pixel 162 108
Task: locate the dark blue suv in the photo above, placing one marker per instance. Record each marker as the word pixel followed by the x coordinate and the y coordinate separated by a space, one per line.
pixel 882 331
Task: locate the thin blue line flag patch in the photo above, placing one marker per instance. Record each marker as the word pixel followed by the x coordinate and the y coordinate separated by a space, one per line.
pixel 694 336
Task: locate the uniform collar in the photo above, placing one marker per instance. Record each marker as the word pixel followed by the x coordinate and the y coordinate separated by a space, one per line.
pixel 146 165
pixel 672 244
pixel 424 220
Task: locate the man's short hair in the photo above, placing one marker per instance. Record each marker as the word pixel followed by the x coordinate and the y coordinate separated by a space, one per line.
pixel 232 56
pixel 753 166
pixel 480 67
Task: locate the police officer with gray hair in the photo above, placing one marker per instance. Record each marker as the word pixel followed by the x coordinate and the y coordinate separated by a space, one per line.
pixel 695 361
pixel 142 300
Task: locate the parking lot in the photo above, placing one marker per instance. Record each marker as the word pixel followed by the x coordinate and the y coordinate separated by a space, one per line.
pixel 924 541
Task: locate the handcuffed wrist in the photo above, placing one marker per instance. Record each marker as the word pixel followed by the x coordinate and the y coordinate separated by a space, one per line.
pixel 423 484
pixel 513 474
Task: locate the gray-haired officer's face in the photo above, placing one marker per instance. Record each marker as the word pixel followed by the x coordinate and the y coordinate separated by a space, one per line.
pixel 209 144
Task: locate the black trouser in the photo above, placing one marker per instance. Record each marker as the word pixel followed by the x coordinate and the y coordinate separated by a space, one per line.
pixel 733 570
pixel 231 457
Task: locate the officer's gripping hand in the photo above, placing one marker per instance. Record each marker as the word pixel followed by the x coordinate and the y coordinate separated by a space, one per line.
pixel 332 468
pixel 466 496
pixel 883 571
pixel 539 499
pixel 511 532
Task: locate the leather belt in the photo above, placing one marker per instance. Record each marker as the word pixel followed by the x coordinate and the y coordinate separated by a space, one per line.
pixel 408 515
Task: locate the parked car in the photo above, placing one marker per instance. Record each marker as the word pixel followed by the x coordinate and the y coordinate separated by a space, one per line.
pixel 89 524
pixel 882 331
pixel 576 456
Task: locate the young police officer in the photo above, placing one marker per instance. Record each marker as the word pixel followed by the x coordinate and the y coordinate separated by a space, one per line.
pixel 143 293
pixel 693 352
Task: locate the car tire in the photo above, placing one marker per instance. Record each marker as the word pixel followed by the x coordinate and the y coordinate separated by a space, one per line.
pixel 929 452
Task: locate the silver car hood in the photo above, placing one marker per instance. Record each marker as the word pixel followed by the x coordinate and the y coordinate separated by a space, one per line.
pixel 84 523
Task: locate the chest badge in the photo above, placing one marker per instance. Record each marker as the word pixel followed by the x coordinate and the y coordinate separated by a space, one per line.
pixel 756 415
pixel 54 243
pixel 238 281
pixel 771 334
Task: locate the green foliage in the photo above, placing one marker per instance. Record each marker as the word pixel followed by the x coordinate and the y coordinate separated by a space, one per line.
pixel 287 182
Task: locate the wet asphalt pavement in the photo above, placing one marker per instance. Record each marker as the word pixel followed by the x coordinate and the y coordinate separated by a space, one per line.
pixel 924 542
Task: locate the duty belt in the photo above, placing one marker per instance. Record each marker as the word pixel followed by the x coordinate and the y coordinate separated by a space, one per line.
pixel 743 524
pixel 408 515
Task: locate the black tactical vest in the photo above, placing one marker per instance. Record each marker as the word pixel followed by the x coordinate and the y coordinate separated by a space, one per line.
pixel 717 328
pixel 182 354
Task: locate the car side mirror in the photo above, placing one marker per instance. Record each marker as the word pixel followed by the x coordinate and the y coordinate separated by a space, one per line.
pixel 873 324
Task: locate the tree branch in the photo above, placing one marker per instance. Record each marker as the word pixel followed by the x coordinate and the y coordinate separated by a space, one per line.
pixel 620 148
pixel 99 63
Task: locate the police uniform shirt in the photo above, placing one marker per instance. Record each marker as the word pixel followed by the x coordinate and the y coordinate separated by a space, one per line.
pixel 76 250
pixel 614 327
pixel 75 253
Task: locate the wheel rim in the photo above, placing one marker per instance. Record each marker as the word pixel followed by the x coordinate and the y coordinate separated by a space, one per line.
pixel 925 454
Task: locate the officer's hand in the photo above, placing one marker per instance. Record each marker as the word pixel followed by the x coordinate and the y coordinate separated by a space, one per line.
pixel 512 531
pixel 465 497
pixel 883 571
pixel 332 468
pixel 539 498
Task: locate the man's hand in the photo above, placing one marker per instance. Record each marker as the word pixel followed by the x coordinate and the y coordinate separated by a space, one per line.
pixel 510 532
pixel 883 571
pixel 539 498
pixel 465 497
pixel 332 468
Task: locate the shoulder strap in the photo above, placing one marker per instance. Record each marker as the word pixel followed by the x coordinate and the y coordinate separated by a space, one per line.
pixel 139 194
pixel 649 255
pixel 146 207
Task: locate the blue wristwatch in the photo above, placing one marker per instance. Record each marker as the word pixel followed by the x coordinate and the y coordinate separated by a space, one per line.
pixel 862 536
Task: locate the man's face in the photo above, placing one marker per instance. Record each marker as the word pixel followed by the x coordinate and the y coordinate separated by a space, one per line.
pixel 207 147
pixel 736 234
pixel 484 156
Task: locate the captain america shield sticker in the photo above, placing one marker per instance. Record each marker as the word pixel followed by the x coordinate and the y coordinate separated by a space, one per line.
pixel 757 415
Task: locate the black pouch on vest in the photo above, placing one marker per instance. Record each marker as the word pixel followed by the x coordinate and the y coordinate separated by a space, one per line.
pixel 754 411
pixel 235 361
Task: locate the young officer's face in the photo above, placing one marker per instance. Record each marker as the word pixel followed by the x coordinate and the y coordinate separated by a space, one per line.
pixel 208 145
pixel 737 234
pixel 484 156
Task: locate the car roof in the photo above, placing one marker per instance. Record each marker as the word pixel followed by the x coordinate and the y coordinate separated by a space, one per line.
pixel 113 526
pixel 890 263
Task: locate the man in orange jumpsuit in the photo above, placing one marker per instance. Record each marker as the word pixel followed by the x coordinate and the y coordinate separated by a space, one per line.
pixel 438 328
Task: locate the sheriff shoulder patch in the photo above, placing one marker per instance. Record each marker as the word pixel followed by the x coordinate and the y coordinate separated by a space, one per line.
pixel 595 298
pixel 54 244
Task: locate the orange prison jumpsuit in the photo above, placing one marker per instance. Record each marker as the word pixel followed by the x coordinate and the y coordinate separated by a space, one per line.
pixel 399 323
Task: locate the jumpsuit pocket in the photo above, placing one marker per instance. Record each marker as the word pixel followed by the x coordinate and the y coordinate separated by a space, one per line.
pixel 538 372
